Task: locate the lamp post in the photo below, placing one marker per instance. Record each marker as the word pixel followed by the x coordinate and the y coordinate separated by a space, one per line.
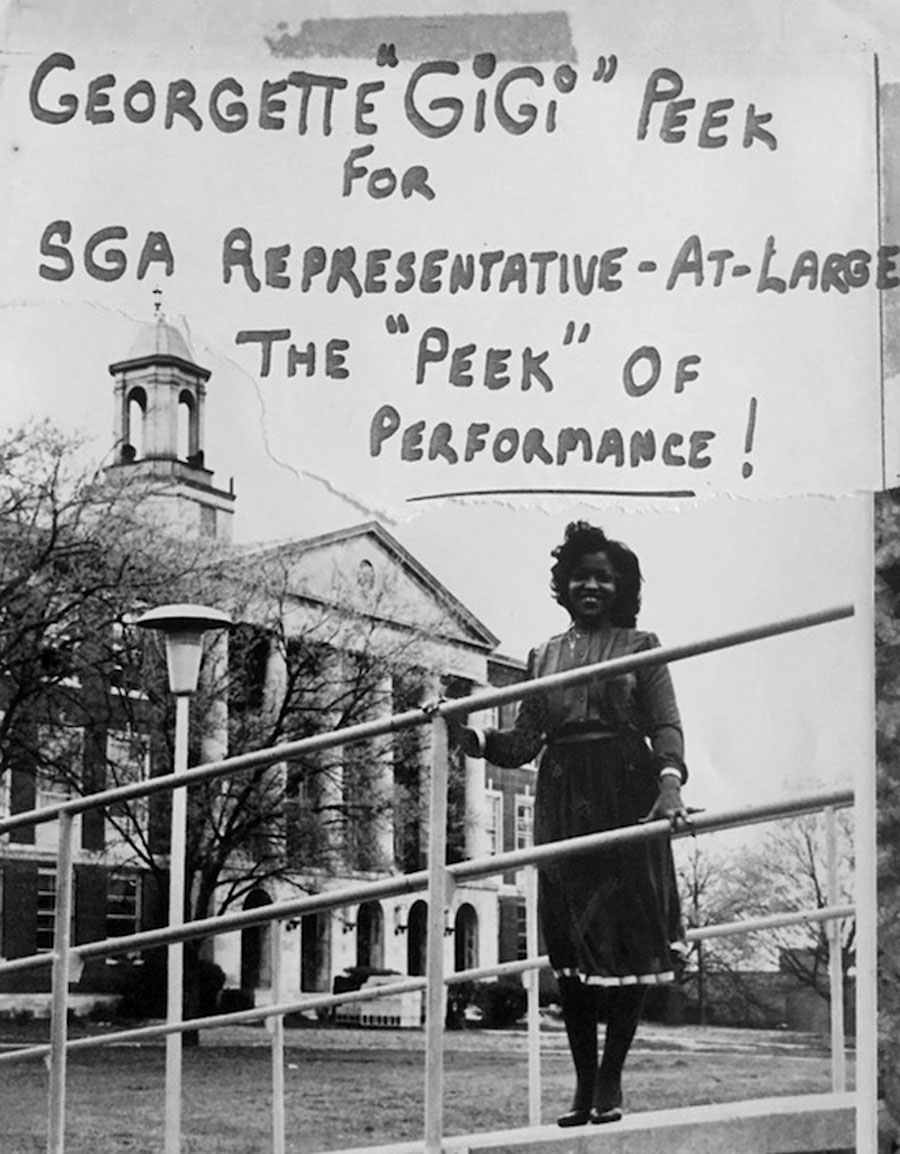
pixel 183 627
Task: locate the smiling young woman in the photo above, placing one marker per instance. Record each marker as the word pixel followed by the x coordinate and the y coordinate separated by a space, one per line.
pixel 611 754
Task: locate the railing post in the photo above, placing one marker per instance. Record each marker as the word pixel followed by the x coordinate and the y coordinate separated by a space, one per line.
pixel 276 1027
pixel 437 889
pixel 532 985
pixel 59 1005
pixel 835 959
pixel 175 952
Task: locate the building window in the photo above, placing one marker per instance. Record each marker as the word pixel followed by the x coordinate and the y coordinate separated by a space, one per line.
pixel 248 662
pixel 307 833
pixel 465 953
pixel 60 751
pixel 493 801
pixel 45 915
pixel 363 766
pixel 123 904
pixel 521 930
pixel 524 821
pixel 58 655
pixel 506 714
pixel 125 662
pixel 128 761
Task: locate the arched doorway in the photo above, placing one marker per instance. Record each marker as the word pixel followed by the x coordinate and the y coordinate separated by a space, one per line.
pixel 465 943
pixel 256 946
pixel 416 938
pixel 370 936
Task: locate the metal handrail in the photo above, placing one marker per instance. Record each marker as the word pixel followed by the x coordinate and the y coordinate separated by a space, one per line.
pixel 445 707
pixel 437 877
pixel 404 986
pixel 401 884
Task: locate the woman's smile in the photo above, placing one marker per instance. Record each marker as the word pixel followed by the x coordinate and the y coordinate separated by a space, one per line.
pixel 591 589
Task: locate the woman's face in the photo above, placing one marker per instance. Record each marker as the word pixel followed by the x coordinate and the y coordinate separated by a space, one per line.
pixel 591 589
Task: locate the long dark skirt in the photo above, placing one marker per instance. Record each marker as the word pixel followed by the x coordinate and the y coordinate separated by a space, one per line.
pixel 610 917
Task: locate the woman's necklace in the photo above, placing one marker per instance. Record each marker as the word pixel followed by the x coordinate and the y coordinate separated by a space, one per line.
pixel 576 637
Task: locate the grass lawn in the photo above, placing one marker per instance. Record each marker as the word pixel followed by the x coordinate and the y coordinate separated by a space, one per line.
pixel 350 1087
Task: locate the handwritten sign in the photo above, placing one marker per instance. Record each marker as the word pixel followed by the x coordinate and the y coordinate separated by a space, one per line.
pixel 484 272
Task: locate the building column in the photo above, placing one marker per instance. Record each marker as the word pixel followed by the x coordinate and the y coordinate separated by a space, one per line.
pixel 477 841
pixel 432 689
pixel 383 784
pixel 331 770
pixel 214 740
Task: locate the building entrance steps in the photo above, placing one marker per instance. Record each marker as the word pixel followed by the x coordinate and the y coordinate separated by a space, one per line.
pixel 797 1125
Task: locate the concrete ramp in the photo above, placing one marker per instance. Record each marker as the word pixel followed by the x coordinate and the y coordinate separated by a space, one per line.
pixel 803 1125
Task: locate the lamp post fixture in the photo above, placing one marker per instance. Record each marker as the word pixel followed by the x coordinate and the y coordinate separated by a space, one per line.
pixel 183 627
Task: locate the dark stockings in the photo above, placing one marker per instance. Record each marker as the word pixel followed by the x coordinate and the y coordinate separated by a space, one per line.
pixel 599 1087
pixel 624 1012
pixel 579 1010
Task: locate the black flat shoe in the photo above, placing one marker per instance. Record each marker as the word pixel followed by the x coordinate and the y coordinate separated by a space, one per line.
pixel 575 1118
pixel 607 1114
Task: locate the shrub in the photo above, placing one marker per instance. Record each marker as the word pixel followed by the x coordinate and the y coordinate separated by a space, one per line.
pixel 144 990
pixel 460 995
pixel 501 1003
pixel 233 1001
pixel 203 981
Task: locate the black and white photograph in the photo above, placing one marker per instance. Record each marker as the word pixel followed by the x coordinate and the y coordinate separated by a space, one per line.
pixel 461 442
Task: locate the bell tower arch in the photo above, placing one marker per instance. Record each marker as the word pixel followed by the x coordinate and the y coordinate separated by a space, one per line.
pixel 159 411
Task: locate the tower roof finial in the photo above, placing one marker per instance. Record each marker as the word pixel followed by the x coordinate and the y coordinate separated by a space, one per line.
pixel 157 304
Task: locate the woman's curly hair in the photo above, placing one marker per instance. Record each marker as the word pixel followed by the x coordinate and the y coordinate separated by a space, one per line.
pixel 582 538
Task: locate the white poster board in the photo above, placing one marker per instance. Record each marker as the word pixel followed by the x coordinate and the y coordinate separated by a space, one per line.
pixel 617 261
pixel 535 260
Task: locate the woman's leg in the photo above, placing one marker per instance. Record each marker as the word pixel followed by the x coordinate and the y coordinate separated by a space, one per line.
pixel 579 1010
pixel 624 1013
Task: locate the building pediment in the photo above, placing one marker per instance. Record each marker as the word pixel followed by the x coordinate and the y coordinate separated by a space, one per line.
pixel 365 571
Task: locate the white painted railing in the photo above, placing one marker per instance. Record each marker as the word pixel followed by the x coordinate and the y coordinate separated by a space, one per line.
pixel 66 959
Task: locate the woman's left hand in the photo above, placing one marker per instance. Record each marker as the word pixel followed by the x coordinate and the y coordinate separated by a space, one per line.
pixel 669 804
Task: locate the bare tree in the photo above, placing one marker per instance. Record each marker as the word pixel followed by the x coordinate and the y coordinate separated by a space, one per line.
pixel 784 872
pixel 85 703
pixel 75 561
pixel 716 970
pixel 789 871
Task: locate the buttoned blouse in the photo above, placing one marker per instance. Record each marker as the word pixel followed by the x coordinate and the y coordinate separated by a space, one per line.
pixel 641 702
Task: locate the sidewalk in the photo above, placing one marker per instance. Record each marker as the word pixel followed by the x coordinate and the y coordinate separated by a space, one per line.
pixel 651 1038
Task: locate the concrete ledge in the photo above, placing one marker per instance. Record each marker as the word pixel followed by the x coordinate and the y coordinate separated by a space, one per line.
pixel 801 1125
